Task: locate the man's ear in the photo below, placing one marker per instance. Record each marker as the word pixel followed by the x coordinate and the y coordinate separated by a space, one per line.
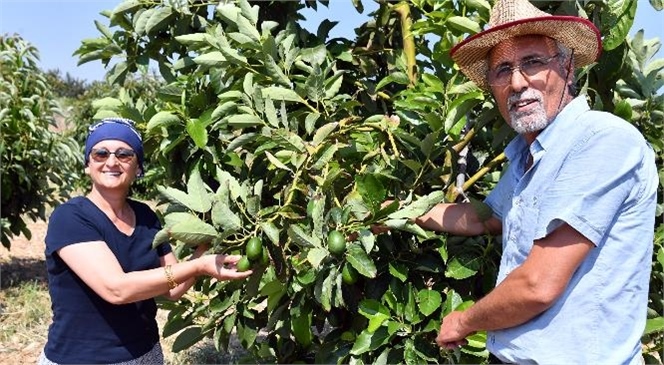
pixel 87 170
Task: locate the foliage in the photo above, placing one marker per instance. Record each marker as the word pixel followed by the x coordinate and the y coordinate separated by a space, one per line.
pixel 36 160
pixel 67 86
pixel 267 130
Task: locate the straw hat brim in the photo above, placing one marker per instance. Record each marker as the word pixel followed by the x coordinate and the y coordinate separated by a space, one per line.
pixel 573 32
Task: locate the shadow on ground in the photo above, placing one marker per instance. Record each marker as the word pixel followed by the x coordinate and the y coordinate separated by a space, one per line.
pixel 17 271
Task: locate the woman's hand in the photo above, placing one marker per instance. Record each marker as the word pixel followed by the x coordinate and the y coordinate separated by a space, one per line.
pixel 223 267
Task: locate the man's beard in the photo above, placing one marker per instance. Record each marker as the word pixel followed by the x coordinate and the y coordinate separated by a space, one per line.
pixel 529 121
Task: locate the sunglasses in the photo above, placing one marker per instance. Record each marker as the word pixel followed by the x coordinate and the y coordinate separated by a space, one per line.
pixel 122 154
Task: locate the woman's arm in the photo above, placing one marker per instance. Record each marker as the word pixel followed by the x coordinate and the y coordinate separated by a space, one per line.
pixel 458 219
pixel 96 265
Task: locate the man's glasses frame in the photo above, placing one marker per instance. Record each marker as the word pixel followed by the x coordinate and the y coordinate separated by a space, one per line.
pixel 124 155
pixel 530 67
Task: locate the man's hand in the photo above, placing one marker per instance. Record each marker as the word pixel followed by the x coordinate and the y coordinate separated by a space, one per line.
pixel 452 334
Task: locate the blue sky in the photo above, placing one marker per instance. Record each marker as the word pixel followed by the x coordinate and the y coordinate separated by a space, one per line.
pixel 56 27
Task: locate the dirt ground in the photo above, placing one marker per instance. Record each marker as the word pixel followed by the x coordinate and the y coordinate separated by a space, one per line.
pixel 24 262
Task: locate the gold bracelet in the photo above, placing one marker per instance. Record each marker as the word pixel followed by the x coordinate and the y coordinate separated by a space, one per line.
pixel 169 277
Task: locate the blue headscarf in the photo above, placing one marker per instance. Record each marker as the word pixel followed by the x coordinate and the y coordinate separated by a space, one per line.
pixel 117 129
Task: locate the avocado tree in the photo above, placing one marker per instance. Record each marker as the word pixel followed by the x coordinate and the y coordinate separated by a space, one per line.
pixel 39 164
pixel 287 146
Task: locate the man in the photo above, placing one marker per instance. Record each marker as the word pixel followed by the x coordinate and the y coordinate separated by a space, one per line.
pixel 575 207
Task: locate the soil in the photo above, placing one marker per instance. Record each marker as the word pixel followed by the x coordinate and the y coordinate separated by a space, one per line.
pixel 24 262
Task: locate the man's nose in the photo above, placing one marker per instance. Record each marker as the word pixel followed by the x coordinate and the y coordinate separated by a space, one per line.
pixel 518 80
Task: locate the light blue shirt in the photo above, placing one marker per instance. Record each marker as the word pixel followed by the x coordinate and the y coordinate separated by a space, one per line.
pixel 595 172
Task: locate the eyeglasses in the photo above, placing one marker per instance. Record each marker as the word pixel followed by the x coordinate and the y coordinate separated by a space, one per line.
pixel 122 154
pixel 530 67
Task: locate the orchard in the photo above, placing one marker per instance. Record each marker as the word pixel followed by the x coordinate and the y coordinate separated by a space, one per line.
pixel 288 147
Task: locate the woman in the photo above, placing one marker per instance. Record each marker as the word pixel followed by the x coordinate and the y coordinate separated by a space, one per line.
pixel 102 271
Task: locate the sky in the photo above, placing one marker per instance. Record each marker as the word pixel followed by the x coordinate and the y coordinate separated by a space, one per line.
pixel 57 27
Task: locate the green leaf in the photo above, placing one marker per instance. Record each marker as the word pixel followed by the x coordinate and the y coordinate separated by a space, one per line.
pixel 323 288
pixel 398 77
pixel 245 27
pixel 333 85
pixel 419 206
pixel 271 113
pixel 187 338
pixel 657 4
pixel 460 106
pixel 367 239
pixel 193 231
pixel 371 190
pixel 278 93
pixel 117 73
pixel 211 59
pixel 316 255
pixel 275 72
pixel 225 218
pixel 623 110
pixel 244 120
pixel 107 103
pixel 310 122
pixel 271 231
pixel 103 29
pixel 618 22
pixel 361 261
pixel 159 19
pixel 462 267
pixel 275 161
pixel 126 6
pixel 196 130
pixel 162 119
pixel 301 326
pixel 429 301
pixel 175 196
pixel 654 325
pixel 289 140
pixel 198 196
pixel 160 237
pixel 240 141
pixel 192 39
pixel 141 20
pixel 323 131
pixel 315 55
pixel 301 238
pixel 174 325
pixel 369 341
pixel 274 290
pixel 463 24
pixel 375 312
pixel 399 271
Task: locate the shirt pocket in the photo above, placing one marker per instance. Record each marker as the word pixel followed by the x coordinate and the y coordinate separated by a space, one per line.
pixel 523 225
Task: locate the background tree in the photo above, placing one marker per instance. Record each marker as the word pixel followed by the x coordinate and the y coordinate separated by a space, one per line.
pixel 268 133
pixel 39 164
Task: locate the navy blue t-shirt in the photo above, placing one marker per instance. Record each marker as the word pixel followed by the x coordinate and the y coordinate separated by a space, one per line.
pixel 86 328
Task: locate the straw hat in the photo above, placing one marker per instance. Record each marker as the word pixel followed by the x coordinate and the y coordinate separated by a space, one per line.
pixel 513 18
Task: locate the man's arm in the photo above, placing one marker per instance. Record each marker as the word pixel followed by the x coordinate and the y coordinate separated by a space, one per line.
pixel 458 219
pixel 526 292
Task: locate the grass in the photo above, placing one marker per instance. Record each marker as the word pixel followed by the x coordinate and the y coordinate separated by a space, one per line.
pixel 25 313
